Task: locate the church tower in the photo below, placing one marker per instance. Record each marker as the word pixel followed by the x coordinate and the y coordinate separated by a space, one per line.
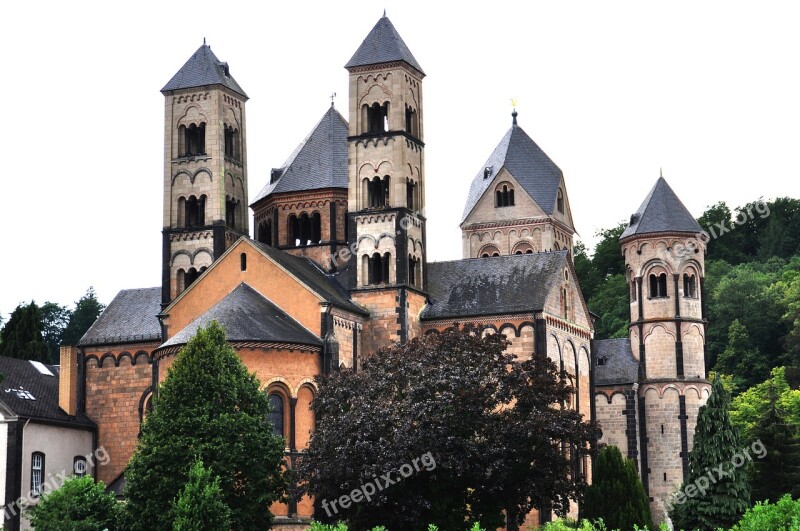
pixel 386 192
pixel 664 260
pixel 205 169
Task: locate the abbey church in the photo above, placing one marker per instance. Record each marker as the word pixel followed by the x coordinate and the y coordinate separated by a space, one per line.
pixel 337 267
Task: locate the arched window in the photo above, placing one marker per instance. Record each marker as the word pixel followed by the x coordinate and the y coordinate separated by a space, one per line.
pixel 560 201
pixel 411 188
pixel 276 413
pixel 523 247
pixel 634 290
pixel 37 473
pixel 378 118
pixel 230 211
pixel 181 211
pixel 304 232
pixel 232 143
pixel 265 232
pixel 489 251
pixel 292 231
pixel 379 268
pixel 194 140
pixel 658 286
pixel 413 263
pixel 181 280
pixel 689 286
pixel 565 302
pixel 412 122
pixel 191 276
pixel 201 210
pixel 191 211
pixel 316 228
pixel 79 466
pixel 379 192
pixel 504 196
pixel 243 261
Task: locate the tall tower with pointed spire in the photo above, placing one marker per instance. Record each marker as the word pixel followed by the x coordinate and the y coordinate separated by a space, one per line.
pixel 205 169
pixel 386 196
pixel 664 260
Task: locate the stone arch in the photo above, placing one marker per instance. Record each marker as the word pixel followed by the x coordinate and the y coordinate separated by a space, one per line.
pixel 200 251
pixel 488 250
pixel 183 173
pixel 202 171
pixel 306 383
pixel 279 382
pixel 140 353
pixel 124 354
pixel 177 254
pixel 513 328
pixel 104 357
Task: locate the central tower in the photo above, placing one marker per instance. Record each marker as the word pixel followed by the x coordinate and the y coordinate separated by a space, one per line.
pixel 386 187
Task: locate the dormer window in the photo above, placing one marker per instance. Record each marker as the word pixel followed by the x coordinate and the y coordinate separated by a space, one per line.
pixel 560 201
pixel 504 196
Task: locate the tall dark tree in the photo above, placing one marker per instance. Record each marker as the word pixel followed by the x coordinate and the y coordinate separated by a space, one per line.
pixel 588 277
pixel 22 334
pixel 210 408
pixel 778 471
pixel 87 309
pixel 716 442
pixel 616 494
pixel 55 319
pixel 741 359
pixel 483 422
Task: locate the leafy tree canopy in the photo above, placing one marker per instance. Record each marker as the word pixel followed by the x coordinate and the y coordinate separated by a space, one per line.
pixel 87 309
pixel 55 319
pixel 79 504
pixel 22 335
pixel 748 408
pixel 208 408
pixel 486 421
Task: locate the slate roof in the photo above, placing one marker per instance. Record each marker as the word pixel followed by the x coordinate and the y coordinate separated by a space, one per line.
pixel 383 45
pixel 661 211
pixel 527 163
pixel 619 366
pixel 130 317
pixel 491 286
pixel 320 161
pixel 21 375
pixel 327 286
pixel 203 68
pixel 248 316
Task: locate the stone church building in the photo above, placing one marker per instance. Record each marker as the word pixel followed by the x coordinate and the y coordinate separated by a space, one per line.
pixel 337 267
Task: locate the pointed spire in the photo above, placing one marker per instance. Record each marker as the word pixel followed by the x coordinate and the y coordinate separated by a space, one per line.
pixel 514 117
pixel 203 68
pixel 383 45
pixel 661 211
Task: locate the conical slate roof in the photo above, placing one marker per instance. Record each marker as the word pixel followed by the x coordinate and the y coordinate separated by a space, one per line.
pixel 248 316
pixel 527 163
pixel 203 68
pixel 661 211
pixel 383 45
pixel 320 161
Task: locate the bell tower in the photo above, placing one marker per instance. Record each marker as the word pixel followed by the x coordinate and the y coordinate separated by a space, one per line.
pixel 205 169
pixel 386 189
pixel 664 261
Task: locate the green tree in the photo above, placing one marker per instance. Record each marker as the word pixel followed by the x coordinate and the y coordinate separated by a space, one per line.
pixel 201 505
pixel 79 504
pixel 716 441
pixel 778 471
pixel 54 321
pixel 611 303
pixel 87 309
pixel 722 245
pixel 445 399
pixel 748 408
pixel 616 494
pixel 781 516
pixel 22 334
pixel 789 292
pixel 607 258
pixel 210 408
pixel 741 359
pixel 588 278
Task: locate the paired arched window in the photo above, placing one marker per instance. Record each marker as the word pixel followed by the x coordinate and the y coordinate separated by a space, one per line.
pixel 192 211
pixel 79 467
pixel 412 121
pixel 192 140
pixel 265 232
pixel 489 251
pixel 378 192
pixel 689 286
pixel 276 411
pixel 378 267
pixel 233 143
pixel 523 248
pixel 304 230
pixel 375 118
pixel 504 196
pixel 658 285
pixel 560 201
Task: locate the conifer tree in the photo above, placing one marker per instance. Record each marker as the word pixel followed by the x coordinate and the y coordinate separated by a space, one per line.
pixel 87 309
pixel 721 502
pixel 200 506
pixel 616 494
pixel 21 337
pixel 778 471
pixel 208 407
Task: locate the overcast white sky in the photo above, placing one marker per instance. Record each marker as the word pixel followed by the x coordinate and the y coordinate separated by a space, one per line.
pixel 612 91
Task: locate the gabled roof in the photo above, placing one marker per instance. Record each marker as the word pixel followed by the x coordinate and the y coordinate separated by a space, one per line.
pixel 492 286
pixel 248 316
pixel 383 45
pixel 618 364
pixel 31 394
pixel 325 285
pixel 527 163
pixel 661 211
pixel 320 161
pixel 131 316
pixel 203 68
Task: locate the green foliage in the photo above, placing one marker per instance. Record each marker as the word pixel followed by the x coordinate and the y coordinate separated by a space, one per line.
pixel 616 494
pixel 201 505
pixel 607 258
pixel 445 395
pixel 54 321
pixel 728 245
pixel 610 302
pixel 781 516
pixel 79 505
pixel 716 441
pixel 741 359
pixel 210 408
pixel 87 309
pixel 778 471
pixel 22 335
pixel 752 405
